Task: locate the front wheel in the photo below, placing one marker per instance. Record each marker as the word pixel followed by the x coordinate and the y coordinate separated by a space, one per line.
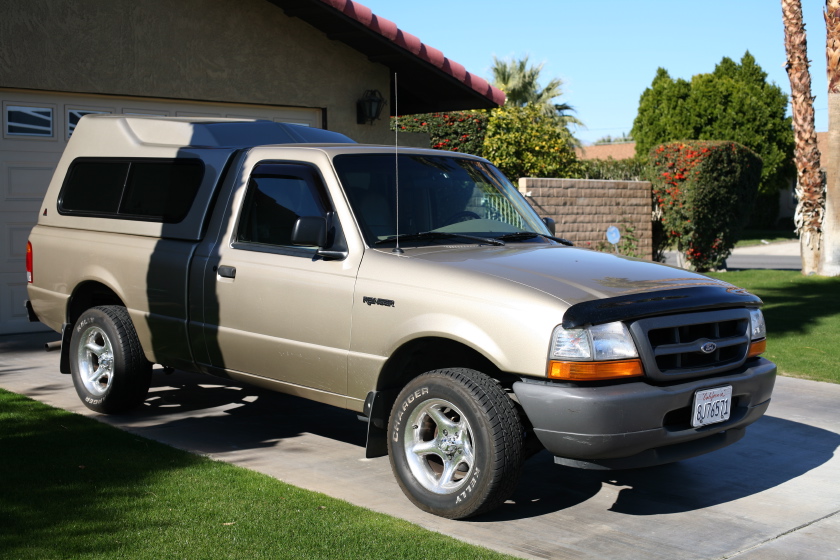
pixel 455 443
pixel 109 370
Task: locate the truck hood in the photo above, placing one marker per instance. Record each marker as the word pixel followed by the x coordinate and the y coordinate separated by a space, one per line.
pixel 570 274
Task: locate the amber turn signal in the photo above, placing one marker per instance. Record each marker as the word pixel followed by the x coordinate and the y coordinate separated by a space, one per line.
pixel 595 371
pixel 757 347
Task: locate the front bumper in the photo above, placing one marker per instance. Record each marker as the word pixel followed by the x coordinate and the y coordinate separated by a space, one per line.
pixel 636 424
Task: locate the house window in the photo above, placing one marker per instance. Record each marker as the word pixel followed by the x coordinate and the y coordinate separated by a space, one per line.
pixel 73 116
pixel 29 121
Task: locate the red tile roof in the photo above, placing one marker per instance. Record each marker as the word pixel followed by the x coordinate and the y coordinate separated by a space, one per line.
pixel 428 80
pixel 412 44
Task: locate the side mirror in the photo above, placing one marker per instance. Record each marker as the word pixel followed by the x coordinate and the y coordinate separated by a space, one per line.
pixel 551 225
pixel 310 231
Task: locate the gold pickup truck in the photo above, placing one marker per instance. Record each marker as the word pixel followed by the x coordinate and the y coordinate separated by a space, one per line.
pixel 416 287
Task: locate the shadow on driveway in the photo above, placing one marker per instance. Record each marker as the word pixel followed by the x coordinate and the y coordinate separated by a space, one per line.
pixel 184 410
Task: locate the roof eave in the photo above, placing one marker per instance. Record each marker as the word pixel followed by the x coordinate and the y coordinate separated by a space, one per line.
pixel 427 80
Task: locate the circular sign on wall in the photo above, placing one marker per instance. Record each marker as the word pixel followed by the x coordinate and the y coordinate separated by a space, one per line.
pixel 613 235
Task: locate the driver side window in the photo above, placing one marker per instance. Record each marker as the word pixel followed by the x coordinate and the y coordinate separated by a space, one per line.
pixel 279 194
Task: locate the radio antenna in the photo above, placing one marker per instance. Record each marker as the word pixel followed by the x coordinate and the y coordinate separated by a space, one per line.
pixel 397 248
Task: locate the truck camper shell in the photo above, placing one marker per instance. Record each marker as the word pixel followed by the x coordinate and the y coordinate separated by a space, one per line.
pixel 112 160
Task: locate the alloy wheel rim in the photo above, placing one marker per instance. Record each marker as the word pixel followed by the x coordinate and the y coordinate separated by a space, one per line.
pixel 439 447
pixel 96 361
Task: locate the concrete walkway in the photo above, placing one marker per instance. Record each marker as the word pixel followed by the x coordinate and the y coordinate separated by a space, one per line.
pixel 773 495
pixel 783 255
pixel 779 249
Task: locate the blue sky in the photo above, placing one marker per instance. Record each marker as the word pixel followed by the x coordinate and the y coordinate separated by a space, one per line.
pixel 607 51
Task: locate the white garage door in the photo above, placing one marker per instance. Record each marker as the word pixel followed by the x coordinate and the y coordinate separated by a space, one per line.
pixel 36 126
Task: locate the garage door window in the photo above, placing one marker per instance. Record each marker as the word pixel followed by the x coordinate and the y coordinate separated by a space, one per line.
pixel 74 115
pixel 149 190
pixel 29 121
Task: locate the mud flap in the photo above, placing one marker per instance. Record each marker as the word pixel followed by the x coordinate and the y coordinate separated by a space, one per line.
pixel 377 407
pixel 64 360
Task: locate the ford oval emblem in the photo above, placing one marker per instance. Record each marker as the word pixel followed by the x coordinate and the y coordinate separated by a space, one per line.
pixel 708 348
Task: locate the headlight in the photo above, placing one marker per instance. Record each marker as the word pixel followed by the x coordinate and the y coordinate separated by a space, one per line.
pixel 758 329
pixel 758 333
pixel 600 342
pixel 593 353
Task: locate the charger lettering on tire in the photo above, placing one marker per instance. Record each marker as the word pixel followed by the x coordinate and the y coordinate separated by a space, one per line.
pixel 415 395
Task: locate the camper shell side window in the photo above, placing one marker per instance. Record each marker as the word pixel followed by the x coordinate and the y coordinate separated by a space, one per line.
pixel 146 189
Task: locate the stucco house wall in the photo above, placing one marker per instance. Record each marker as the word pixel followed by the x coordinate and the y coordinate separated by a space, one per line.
pixel 247 51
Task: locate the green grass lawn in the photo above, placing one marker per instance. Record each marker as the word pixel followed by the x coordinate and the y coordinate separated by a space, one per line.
pixel 72 487
pixel 803 320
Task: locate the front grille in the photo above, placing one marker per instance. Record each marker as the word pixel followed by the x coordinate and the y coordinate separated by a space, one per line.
pixel 692 344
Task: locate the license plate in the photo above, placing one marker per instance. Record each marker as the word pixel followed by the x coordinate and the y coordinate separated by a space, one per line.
pixel 711 406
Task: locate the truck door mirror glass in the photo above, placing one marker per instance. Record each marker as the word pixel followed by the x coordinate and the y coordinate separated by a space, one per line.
pixel 310 231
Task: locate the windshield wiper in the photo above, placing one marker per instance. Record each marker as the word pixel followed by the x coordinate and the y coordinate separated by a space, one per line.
pixel 521 235
pixel 439 235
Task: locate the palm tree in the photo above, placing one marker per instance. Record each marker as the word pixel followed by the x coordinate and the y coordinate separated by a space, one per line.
pixel 521 83
pixel 830 263
pixel 810 189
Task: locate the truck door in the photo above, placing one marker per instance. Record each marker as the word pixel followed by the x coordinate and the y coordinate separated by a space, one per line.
pixel 273 309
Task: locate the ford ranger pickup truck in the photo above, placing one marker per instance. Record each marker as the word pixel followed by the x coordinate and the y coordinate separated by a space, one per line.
pixel 415 287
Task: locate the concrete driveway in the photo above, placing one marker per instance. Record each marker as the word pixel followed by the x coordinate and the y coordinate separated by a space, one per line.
pixel 773 495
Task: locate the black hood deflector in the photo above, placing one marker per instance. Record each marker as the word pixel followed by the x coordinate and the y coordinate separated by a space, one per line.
pixel 663 302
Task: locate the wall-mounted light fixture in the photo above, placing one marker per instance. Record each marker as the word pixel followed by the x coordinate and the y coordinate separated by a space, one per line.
pixel 369 106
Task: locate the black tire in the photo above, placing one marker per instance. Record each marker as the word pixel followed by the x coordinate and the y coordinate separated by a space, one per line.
pixel 109 370
pixel 455 443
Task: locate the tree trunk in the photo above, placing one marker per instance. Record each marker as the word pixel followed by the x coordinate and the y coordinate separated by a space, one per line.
pixel 810 188
pixel 830 264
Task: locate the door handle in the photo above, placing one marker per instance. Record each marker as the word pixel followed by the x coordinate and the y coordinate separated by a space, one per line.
pixel 227 271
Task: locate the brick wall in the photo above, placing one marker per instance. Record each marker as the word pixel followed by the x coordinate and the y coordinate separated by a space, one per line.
pixel 584 209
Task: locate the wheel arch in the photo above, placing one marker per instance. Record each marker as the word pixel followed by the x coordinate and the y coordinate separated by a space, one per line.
pixel 410 360
pixel 89 294
pixel 86 295
pixel 424 354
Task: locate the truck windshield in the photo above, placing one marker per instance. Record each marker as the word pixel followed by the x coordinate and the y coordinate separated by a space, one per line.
pixel 436 194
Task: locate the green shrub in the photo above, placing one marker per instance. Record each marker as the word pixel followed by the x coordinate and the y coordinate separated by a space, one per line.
pixel 736 103
pixel 765 212
pixel 525 142
pixel 613 169
pixel 705 191
pixel 456 131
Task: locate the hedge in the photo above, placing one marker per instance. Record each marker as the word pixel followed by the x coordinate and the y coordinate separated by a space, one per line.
pixel 704 192
pixel 457 131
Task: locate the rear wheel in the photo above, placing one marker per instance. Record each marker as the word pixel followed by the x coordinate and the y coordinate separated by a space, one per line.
pixel 109 370
pixel 455 443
